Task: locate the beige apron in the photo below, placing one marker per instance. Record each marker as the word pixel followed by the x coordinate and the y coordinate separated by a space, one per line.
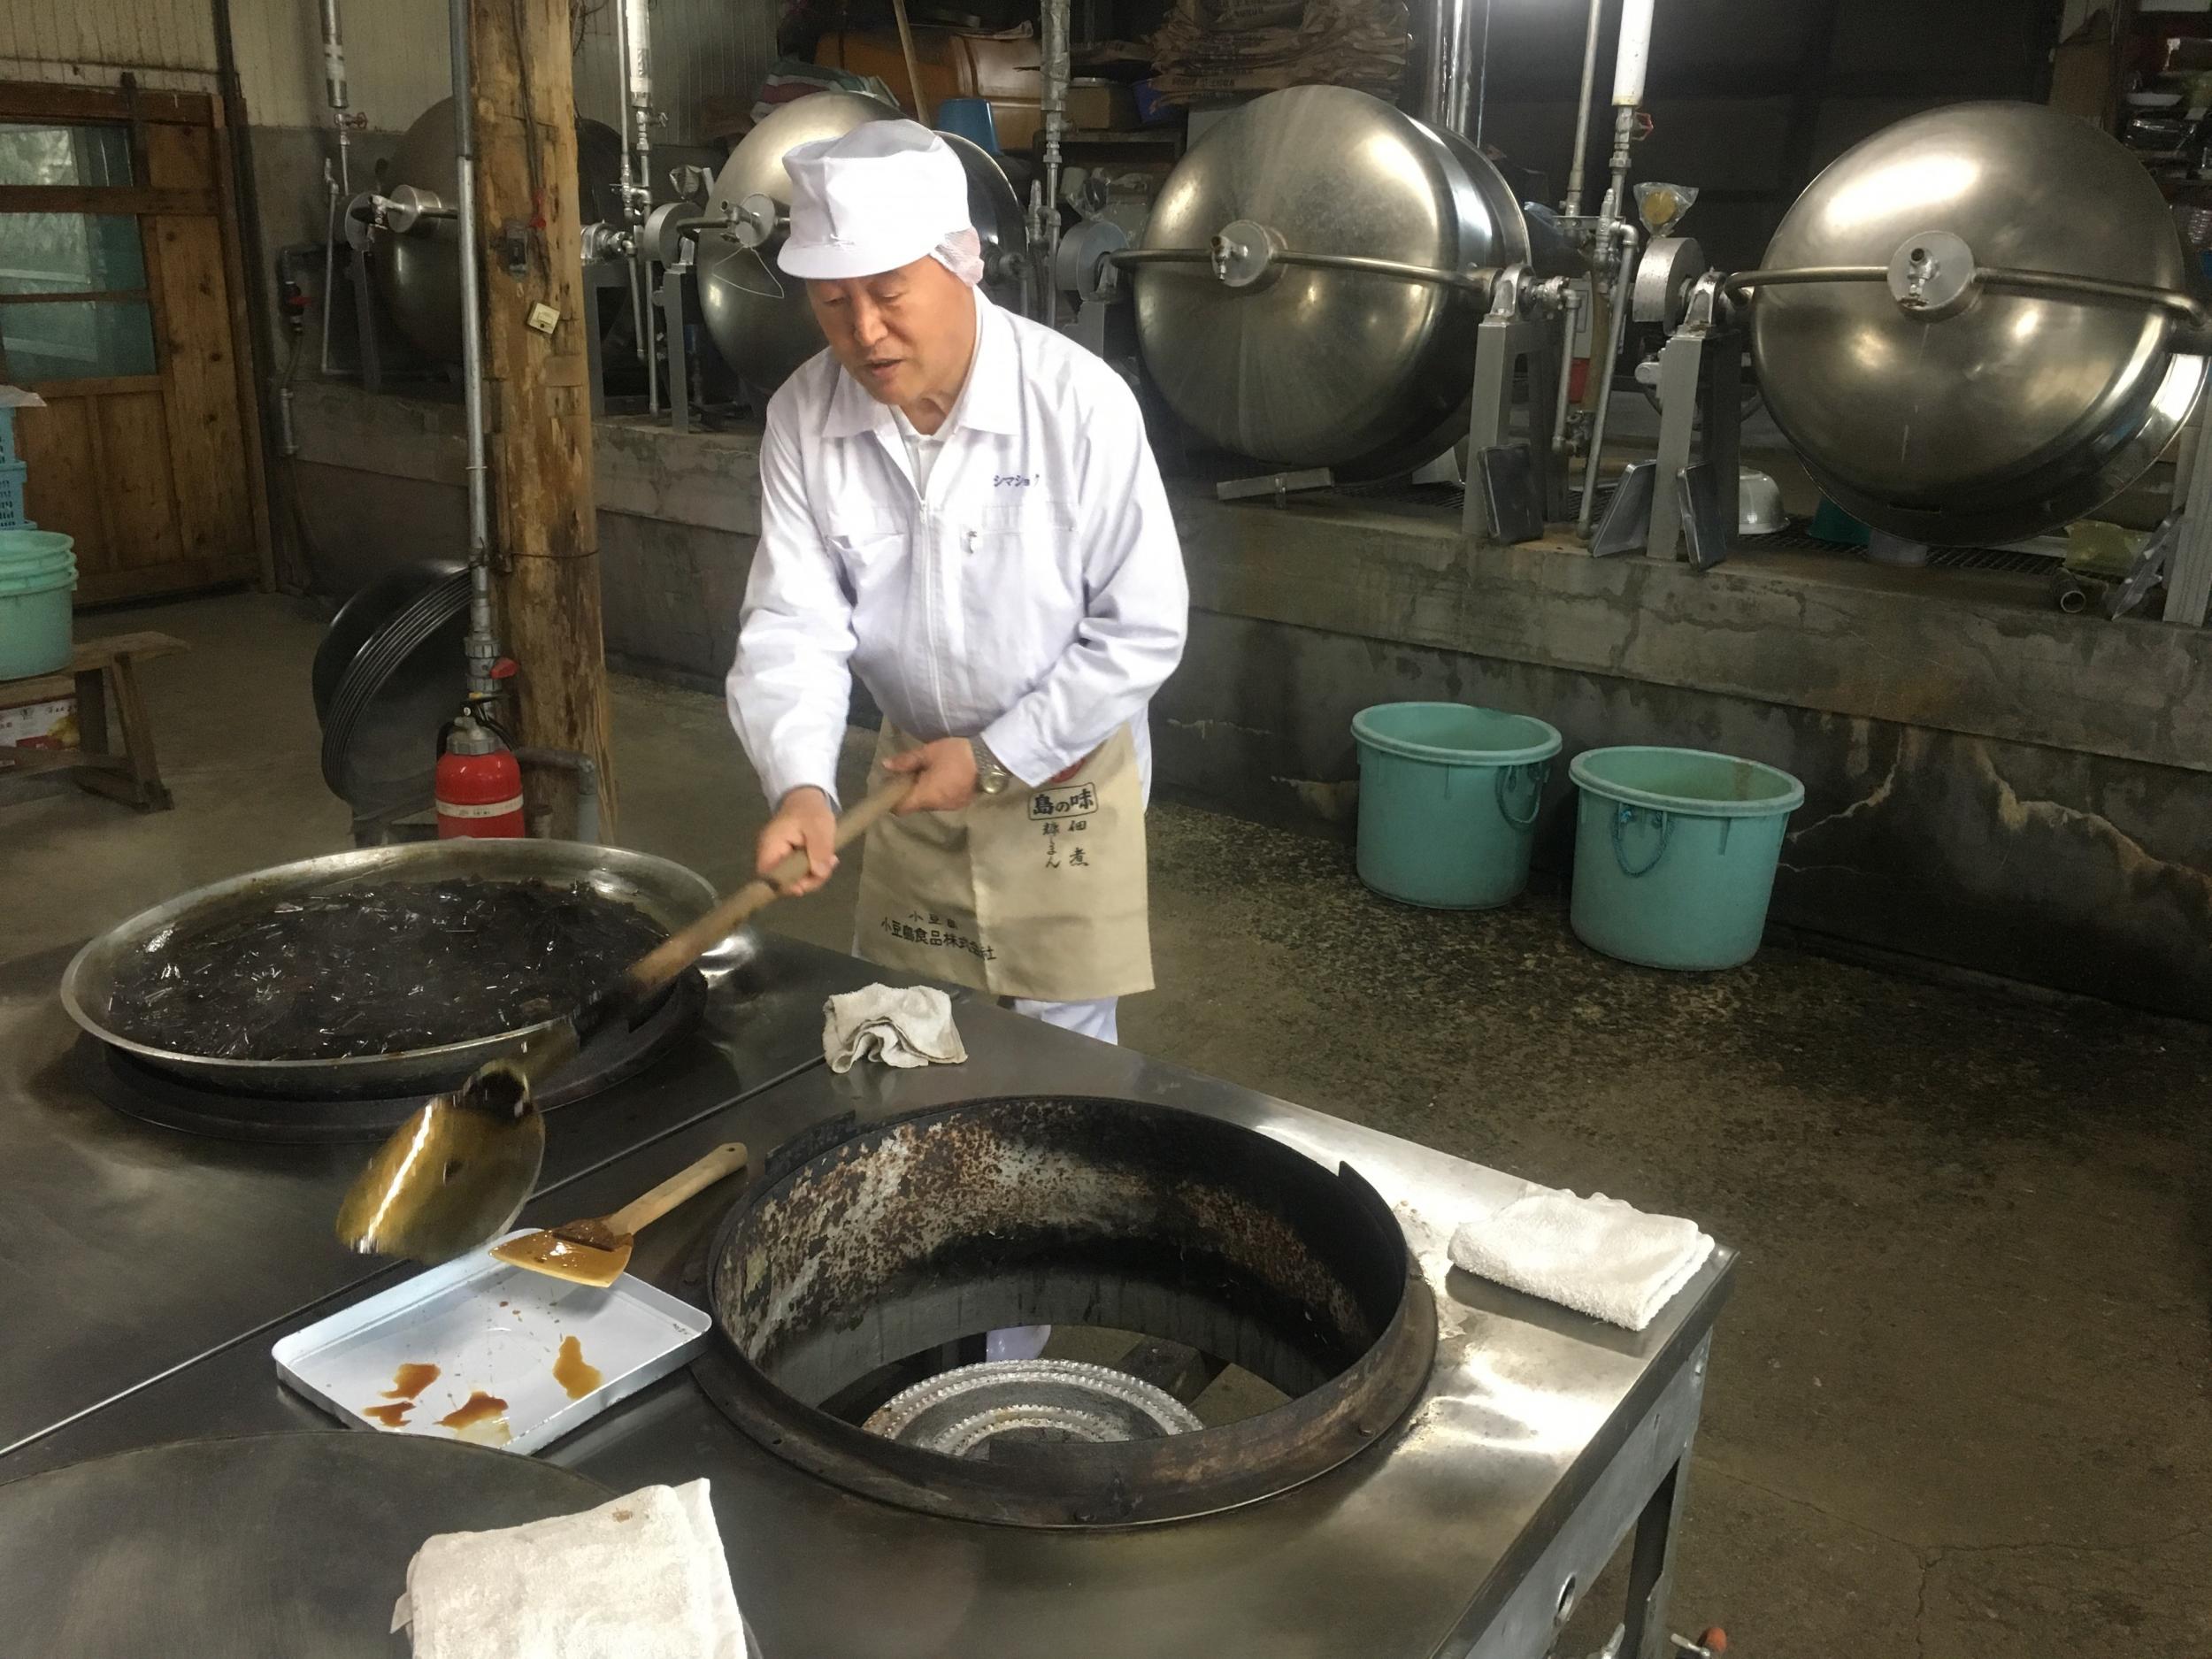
pixel 1031 893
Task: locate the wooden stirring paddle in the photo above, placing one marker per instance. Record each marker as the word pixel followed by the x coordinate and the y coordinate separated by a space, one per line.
pixel 455 1175
pixel 596 1251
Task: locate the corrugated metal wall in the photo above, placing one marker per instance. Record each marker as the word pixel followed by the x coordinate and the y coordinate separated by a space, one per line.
pixel 170 42
pixel 702 49
pixel 395 53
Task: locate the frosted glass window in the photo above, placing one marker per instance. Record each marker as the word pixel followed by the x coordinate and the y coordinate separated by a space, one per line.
pixel 65 154
pixel 70 253
pixel 76 340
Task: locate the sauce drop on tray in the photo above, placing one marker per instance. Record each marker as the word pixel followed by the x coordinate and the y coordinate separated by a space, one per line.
pixel 411 1380
pixel 481 1420
pixel 571 1372
pixel 390 1416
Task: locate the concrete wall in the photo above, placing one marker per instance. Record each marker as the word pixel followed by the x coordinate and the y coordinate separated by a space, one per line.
pixel 1989 783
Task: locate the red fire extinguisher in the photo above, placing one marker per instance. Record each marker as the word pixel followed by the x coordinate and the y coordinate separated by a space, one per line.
pixel 479 788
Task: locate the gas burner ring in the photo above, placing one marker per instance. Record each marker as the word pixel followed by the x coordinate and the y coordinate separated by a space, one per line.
pixel 962 1413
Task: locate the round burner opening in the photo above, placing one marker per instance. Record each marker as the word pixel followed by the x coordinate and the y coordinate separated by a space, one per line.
pixel 861 1264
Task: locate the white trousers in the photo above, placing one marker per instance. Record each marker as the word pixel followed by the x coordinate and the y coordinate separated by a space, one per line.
pixel 1092 1019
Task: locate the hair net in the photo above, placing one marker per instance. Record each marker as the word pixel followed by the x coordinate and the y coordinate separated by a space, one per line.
pixel 961 253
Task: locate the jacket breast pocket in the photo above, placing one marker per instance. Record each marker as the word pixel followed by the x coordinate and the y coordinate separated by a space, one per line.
pixel 1020 558
pixel 865 543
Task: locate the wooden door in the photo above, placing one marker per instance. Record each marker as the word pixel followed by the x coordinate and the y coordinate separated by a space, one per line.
pixel 121 306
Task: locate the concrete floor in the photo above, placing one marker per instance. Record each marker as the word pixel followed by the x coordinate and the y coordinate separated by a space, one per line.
pixel 1958 1406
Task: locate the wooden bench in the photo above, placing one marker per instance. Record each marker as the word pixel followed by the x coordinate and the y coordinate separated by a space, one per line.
pixel 115 752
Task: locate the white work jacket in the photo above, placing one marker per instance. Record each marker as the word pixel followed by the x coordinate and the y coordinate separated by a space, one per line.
pixel 1035 597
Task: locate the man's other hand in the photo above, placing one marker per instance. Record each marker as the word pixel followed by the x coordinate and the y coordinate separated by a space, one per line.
pixel 945 779
pixel 804 821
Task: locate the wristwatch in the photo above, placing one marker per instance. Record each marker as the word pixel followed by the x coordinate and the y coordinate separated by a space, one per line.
pixel 990 777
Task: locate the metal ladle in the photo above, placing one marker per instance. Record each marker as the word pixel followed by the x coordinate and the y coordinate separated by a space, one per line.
pixel 455 1175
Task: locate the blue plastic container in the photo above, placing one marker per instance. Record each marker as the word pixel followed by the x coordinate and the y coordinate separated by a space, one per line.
pixel 1675 854
pixel 1448 796
pixel 970 118
pixel 38 573
pixel 13 514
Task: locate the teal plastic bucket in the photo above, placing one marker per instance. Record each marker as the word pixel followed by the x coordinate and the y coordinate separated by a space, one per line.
pixel 38 573
pixel 1675 853
pixel 1448 795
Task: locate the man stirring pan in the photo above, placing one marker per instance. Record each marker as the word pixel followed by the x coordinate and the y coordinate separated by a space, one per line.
pixel 959 506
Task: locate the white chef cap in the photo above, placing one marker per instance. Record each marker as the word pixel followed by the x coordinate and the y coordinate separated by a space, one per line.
pixel 884 195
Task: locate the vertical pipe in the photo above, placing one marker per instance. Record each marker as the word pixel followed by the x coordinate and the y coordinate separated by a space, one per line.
pixel 335 89
pixel 481 645
pixel 633 45
pixel 1603 368
pixel 1447 64
pixel 1572 204
pixel 1572 302
pixel 341 188
pixel 1054 18
pixel 1631 53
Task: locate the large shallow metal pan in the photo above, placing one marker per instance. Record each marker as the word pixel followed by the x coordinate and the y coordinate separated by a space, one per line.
pixel 665 891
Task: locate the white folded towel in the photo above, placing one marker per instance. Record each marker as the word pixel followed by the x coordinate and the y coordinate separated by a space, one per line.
pixel 906 1027
pixel 1595 1255
pixel 641 1577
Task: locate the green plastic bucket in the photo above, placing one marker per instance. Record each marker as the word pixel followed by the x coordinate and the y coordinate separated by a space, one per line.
pixel 1448 795
pixel 1674 852
pixel 38 572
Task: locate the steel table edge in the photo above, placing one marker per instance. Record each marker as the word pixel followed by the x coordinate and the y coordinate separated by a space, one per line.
pixel 1513 1566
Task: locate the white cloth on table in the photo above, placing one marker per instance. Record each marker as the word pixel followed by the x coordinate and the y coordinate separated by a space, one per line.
pixel 641 1577
pixel 900 1026
pixel 1031 594
pixel 1597 1256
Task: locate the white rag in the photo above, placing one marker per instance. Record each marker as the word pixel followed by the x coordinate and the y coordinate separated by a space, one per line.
pixel 641 1577
pixel 1595 1255
pixel 907 1028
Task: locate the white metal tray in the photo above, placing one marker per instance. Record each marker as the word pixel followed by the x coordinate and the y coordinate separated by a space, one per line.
pixel 491 1330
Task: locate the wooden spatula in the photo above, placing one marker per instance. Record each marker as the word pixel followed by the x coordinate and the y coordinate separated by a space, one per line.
pixel 454 1176
pixel 596 1251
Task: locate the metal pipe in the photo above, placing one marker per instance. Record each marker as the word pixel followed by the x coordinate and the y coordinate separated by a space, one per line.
pixel 587 773
pixel 1799 276
pixel 2091 287
pixel 1055 97
pixel 1570 302
pixel 634 43
pixel 1479 280
pixel 1448 67
pixel 341 188
pixel 1596 458
pixel 2058 283
pixel 1572 202
pixel 335 89
pixel 481 644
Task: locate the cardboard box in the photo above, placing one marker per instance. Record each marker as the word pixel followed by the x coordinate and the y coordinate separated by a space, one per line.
pixel 49 724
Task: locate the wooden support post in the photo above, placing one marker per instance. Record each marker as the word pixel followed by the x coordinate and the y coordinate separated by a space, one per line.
pixel 545 534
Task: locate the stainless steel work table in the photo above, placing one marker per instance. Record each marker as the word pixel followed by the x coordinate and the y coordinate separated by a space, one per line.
pixel 137 1249
pixel 1541 1441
